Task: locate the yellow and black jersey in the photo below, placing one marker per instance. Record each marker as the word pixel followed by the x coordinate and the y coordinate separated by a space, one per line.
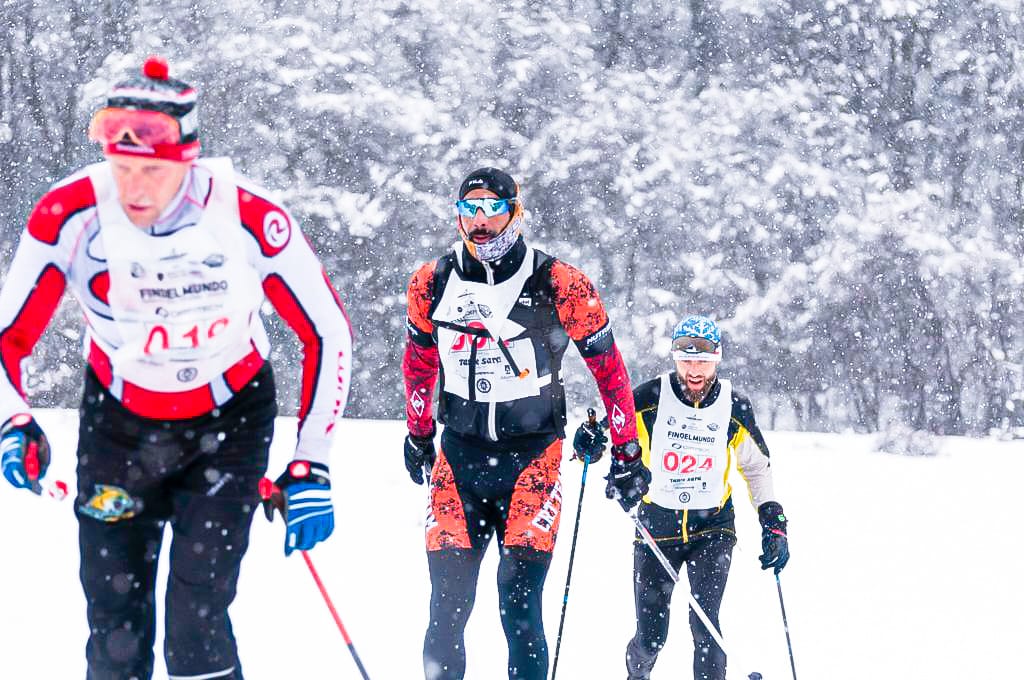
pixel 744 446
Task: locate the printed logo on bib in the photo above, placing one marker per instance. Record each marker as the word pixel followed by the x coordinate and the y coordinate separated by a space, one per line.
pixel 464 341
pixel 187 374
pixel 276 229
pixel 205 287
pixel 686 436
pixel 483 385
pixel 214 260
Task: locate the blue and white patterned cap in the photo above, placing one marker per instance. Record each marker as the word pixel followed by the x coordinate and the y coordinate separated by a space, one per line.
pixel 696 338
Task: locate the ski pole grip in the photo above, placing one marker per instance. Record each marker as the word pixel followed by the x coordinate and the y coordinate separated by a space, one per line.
pixel 266 488
pixel 272 498
pixel 32 462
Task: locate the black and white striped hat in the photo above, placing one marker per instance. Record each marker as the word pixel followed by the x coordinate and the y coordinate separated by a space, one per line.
pixel 153 89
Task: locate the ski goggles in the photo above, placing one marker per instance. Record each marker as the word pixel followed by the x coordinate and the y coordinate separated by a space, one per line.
pixel 140 127
pixel 468 207
pixel 696 349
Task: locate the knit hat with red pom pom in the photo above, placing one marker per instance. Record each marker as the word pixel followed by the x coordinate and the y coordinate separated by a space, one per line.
pixel 153 89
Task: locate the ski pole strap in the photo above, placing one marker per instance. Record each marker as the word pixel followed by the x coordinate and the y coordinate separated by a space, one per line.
pixel 697 609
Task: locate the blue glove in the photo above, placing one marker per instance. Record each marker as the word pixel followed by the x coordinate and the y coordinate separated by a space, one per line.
pixel 24 452
pixel 303 496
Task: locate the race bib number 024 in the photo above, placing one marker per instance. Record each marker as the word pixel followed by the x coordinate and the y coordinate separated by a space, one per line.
pixel 686 463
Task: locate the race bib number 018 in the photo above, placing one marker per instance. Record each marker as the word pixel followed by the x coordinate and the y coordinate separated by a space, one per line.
pixel 162 338
pixel 685 463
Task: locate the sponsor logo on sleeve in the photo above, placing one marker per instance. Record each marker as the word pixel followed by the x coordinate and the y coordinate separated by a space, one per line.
pixel 618 418
pixel 417 403
pixel 276 229
pixel 598 336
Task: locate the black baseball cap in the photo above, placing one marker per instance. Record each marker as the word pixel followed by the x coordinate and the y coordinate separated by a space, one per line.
pixel 492 179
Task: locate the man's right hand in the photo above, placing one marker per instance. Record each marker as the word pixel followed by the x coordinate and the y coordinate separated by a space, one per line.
pixel 24 452
pixel 589 439
pixel 419 451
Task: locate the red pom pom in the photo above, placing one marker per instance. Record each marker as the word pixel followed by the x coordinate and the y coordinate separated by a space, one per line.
pixel 156 68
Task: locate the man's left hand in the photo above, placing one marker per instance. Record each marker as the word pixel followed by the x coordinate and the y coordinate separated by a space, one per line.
pixel 774 543
pixel 303 496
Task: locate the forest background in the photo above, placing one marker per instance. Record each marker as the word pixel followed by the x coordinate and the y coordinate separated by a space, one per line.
pixel 839 182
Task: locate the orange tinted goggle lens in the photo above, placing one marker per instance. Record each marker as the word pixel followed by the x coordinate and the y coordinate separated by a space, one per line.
pixel 140 127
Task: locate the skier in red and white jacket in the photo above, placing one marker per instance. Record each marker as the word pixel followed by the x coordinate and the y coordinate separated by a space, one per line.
pixel 170 258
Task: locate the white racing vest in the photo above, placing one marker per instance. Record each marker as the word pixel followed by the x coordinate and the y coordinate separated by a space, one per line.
pixel 183 302
pixel 689 454
pixel 475 367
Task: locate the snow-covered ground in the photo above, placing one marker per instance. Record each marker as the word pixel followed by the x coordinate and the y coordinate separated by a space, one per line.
pixel 902 568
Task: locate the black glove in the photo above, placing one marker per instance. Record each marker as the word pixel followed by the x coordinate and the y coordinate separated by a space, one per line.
pixel 25 452
pixel 589 439
pixel 419 451
pixel 628 478
pixel 774 544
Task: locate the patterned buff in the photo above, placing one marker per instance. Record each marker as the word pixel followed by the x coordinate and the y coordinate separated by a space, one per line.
pixel 503 186
pixel 696 338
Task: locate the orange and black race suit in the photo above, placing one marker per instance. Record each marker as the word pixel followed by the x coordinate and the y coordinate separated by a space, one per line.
pixel 495 333
pixel 556 303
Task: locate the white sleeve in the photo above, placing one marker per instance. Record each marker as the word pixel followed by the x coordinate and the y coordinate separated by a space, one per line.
pixel 297 286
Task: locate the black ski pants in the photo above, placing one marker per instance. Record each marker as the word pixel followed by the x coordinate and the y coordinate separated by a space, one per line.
pixel 200 476
pixel 513 495
pixel 707 557
pixel 453 578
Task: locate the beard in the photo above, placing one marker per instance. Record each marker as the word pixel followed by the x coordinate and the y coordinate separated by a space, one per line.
pixel 701 394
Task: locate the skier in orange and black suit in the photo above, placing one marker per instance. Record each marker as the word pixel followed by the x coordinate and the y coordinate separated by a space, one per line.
pixel 493 318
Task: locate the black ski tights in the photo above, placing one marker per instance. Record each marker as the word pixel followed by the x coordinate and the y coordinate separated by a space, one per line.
pixel 453 578
pixel 707 566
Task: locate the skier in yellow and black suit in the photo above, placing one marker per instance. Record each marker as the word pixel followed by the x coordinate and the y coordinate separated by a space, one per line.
pixel 692 426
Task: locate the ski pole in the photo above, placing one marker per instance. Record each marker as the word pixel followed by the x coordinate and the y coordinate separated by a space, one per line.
pixel 270 492
pixel 785 625
pixel 674 575
pixel 572 556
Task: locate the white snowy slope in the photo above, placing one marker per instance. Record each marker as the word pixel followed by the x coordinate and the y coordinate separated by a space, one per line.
pixel 902 568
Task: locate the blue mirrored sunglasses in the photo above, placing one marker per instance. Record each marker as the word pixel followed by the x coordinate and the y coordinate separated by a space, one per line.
pixel 467 207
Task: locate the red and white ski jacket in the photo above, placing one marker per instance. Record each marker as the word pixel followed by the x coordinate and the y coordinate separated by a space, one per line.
pixel 63 247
